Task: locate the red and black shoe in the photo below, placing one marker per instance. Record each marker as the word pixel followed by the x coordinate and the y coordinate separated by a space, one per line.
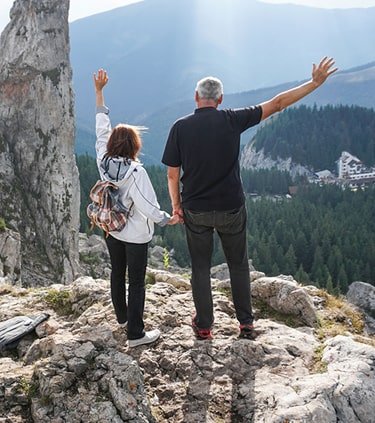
pixel 200 333
pixel 247 331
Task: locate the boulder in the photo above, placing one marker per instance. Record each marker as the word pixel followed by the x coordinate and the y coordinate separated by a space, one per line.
pixel 363 296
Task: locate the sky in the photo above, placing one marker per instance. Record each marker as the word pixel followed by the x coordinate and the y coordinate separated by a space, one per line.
pixel 81 9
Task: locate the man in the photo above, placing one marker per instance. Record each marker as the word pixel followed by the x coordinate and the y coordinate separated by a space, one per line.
pixel 205 146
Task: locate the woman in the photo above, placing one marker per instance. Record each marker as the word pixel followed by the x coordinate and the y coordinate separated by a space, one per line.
pixel 116 155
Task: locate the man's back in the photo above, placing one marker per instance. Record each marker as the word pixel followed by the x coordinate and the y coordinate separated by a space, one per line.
pixel 206 145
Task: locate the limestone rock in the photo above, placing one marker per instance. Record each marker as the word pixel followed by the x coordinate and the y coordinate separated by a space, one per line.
pixel 252 159
pixel 284 294
pixel 39 186
pixel 10 256
pixel 81 370
pixel 351 364
pixel 363 295
pixel 221 271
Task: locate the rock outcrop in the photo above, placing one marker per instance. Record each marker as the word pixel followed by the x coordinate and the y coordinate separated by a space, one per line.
pixel 252 159
pixel 10 256
pixel 79 368
pixel 363 296
pixel 39 184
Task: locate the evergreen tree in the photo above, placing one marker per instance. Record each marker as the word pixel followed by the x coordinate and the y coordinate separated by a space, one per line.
pixel 290 261
pixel 329 285
pixel 342 280
pixel 317 267
pixel 302 250
pixel 301 276
pixel 275 271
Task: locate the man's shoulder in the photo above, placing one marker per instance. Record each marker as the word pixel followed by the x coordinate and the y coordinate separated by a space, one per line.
pixel 185 117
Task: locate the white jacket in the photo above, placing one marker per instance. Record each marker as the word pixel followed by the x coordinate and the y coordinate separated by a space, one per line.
pixel 134 187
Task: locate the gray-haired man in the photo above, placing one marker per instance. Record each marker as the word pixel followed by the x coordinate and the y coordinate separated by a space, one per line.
pixel 205 145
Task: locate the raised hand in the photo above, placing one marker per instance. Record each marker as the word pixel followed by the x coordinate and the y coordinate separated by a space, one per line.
pixel 100 79
pixel 321 72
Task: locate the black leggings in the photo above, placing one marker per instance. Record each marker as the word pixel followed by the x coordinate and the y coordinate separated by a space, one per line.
pixel 126 255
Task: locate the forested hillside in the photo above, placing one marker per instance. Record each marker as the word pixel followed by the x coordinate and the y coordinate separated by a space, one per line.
pixel 323 236
pixel 316 136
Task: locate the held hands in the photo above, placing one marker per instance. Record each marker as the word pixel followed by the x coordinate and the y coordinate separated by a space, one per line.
pixel 177 217
pixel 174 220
pixel 100 80
pixel 321 72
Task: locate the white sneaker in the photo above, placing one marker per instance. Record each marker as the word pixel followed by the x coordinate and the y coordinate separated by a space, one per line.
pixel 123 325
pixel 149 337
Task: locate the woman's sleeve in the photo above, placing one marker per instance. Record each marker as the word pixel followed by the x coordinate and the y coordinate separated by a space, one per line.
pixel 144 197
pixel 103 131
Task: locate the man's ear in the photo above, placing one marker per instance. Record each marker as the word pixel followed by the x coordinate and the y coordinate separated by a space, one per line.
pixel 196 97
pixel 220 99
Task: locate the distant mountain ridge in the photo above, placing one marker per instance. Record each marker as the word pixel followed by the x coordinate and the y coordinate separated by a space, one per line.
pixel 156 50
pixel 352 87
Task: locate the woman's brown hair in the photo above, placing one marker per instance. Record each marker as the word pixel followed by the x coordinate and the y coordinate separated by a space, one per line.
pixel 125 141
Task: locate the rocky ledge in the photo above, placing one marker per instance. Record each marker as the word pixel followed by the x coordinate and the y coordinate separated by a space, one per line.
pixel 311 361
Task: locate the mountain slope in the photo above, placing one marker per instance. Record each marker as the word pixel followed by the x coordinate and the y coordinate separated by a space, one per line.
pixel 156 50
pixel 352 87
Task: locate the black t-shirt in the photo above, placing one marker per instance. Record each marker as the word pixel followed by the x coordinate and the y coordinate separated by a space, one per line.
pixel 206 144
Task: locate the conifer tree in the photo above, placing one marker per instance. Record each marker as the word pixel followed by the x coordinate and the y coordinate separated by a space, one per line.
pixel 329 285
pixel 301 276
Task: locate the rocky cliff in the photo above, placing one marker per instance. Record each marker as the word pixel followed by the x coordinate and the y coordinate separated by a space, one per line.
pixel 312 360
pixel 252 159
pixel 39 185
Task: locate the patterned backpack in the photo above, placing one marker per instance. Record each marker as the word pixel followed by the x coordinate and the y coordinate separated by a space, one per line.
pixel 106 211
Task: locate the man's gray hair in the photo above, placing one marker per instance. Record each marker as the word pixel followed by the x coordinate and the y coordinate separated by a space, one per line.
pixel 209 88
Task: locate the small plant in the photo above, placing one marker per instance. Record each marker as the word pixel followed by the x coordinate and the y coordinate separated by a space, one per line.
pixel 338 317
pixel 150 280
pixel 89 259
pixel 27 388
pixel 319 366
pixel 59 301
pixel 227 292
pixel 166 258
pixel 3 226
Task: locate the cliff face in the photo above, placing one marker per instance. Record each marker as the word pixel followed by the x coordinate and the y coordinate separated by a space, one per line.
pixel 252 159
pixel 39 185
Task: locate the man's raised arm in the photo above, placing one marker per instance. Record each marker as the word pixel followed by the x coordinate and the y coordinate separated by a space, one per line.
pixel 319 75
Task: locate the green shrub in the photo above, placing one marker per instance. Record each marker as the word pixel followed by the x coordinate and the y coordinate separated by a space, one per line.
pixel 3 226
pixel 59 301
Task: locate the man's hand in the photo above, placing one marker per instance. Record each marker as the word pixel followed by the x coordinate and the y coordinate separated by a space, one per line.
pixel 280 101
pixel 100 80
pixel 174 219
pixel 179 213
pixel 323 71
